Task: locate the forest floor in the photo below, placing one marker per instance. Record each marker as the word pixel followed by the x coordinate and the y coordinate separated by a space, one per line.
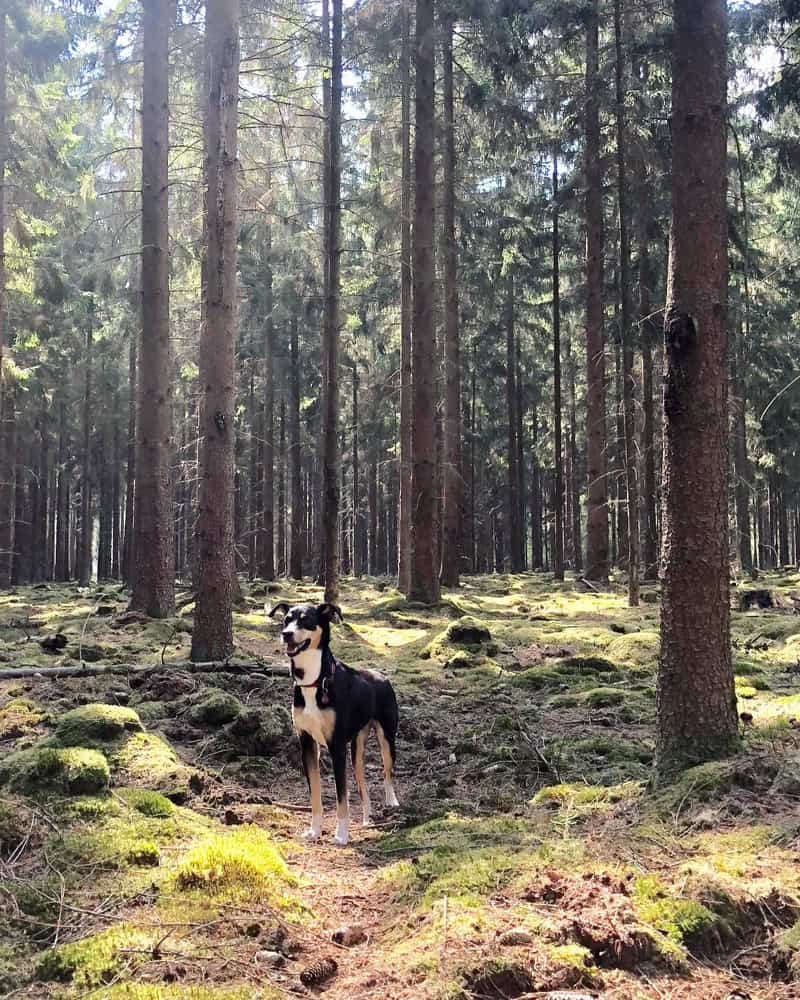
pixel 149 823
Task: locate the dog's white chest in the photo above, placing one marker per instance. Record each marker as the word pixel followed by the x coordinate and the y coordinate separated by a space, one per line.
pixel 310 719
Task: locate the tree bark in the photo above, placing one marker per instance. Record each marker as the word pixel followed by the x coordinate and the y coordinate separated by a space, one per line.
pixel 453 514
pixel 512 510
pixel 296 555
pixel 266 546
pixel 281 552
pixel 6 452
pixel 212 638
pixel 154 583
pixel 332 458
pixel 406 399
pixel 128 543
pixel 597 555
pixel 84 552
pixel 424 581
pixel 628 412
pixel 558 461
pixel 696 703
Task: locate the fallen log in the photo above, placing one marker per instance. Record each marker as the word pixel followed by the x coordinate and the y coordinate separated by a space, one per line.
pixel 144 669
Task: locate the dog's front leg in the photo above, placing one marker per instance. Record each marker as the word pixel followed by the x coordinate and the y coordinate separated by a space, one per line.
pixel 339 755
pixel 310 752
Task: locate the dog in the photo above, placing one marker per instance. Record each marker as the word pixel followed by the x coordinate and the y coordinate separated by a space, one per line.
pixel 336 705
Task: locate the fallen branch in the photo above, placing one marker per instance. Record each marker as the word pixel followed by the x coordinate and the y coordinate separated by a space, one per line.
pixel 143 670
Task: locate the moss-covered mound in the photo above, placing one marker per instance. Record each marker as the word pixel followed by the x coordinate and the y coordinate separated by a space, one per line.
pixel 145 760
pixel 467 631
pixel 94 960
pixel 241 863
pixel 216 709
pixel 64 770
pixel 96 726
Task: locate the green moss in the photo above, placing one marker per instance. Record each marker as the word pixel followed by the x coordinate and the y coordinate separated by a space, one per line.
pixel 467 631
pixel 682 921
pixel 70 771
pixel 96 726
pixel 462 660
pixel 147 802
pixel 151 991
pixel 38 903
pixel 586 665
pixel 154 711
pixel 144 854
pixel 146 760
pixel 94 960
pixel 538 679
pixel 639 648
pixel 243 863
pixel 216 709
pixel 14 823
pixel 561 795
pixel 604 697
pixel 787 947
pixel 91 807
pixel 745 691
pixel 20 717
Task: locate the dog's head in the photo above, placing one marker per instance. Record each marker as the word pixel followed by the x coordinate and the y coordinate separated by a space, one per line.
pixel 306 626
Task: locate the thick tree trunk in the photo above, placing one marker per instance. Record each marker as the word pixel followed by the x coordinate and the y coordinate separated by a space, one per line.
pixel 116 539
pixel 511 518
pixel 597 556
pixel 266 547
pixel 696 704
pixel 574 477
pixel 741 461
pixel 43 540
pixel 332 458
pixel 105 505
pixel 558 470
pixel 84 551
pixel 520 411
pixel 128 544
pixel 647 329
pixel 424 582
pixel 628 412
pixel 296 555
pixel 281 551
pixel 154 583
pixel 406 398
pixel 453 514
pixel 61 569
pixel 537 537
pixel 6 408
pixel 212 638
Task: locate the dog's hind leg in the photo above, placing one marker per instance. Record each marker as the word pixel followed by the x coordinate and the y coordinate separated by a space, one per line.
pixel 386 739
pixel 339 755
pixel 310 752
pixel 357 754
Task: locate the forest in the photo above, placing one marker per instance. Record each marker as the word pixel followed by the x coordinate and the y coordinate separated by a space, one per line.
pixel 470 326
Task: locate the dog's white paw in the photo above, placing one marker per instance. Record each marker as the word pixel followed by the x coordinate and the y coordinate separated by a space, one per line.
pixel 391 798
pixel 314 832
pixel 342 834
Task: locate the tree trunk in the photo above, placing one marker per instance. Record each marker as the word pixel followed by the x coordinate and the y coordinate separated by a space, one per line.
pixel 628 412
pixel 424 582
pixel 154 583
pixel 574 464
pixel 696 702
pixel 128 543
pixel 741 461
pixel 84 552
pixel 296 555
pixel 520 411
pixel 511 518
pixel 558 467
pixel 406 399
pixel 332 458
pixel 212 638
pixel 266 547
pixel 452 515
pixel 647 328
pixel 42 540
pixel 116 497
pixel 105 506
pixel 597 556
pixel 61 569
pixel 281 553
pixel 6 452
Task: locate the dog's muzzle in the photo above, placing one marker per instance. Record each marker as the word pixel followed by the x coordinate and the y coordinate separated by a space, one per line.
pixel 294 648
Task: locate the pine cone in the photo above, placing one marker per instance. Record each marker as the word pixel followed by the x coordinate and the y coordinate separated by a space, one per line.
pixel 318 972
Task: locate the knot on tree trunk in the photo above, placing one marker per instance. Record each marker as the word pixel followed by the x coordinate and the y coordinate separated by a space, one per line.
pixel 680 337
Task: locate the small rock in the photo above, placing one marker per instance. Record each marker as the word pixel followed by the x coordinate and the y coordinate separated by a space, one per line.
pixel 274 959
pixel 451 759
pixel 349 936
pixel 515 936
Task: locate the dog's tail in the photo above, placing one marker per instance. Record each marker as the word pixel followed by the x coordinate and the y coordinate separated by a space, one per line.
pixel 388 717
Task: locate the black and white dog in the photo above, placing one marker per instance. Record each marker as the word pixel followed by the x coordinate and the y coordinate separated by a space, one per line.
pixel 335 705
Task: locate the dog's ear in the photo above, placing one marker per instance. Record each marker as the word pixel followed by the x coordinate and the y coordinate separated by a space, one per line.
pixel 282 606
pixel 331 612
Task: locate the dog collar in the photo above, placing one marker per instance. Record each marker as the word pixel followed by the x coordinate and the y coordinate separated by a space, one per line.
pixel 322 683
